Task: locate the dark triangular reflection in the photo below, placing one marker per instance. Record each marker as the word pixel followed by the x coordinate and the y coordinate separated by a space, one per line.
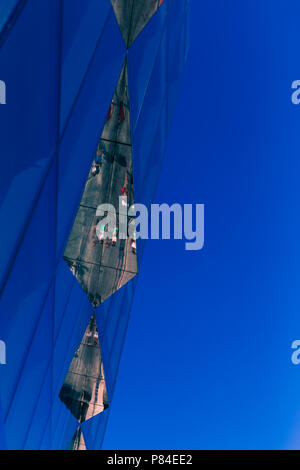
pixel 78 442
pixel 133 15
pixel 84 389
pixel 102 264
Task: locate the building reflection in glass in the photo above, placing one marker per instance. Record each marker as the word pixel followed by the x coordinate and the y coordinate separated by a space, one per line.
pixel 84 389
pixel 103 265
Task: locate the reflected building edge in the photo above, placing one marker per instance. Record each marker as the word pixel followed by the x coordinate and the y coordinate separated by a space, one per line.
pixel 84 389
pixel 77 442
pixel 132 16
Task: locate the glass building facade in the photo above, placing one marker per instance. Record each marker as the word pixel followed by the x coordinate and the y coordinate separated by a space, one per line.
pixel 91 88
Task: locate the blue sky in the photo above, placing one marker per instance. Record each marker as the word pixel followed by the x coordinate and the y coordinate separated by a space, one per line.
pixel 207 359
